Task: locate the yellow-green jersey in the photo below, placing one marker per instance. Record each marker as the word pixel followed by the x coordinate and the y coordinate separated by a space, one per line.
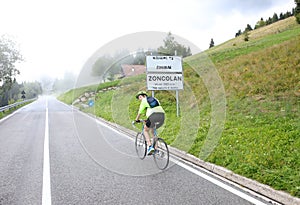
pixel 145 107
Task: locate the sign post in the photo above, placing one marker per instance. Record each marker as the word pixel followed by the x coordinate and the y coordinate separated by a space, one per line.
pixel 165 73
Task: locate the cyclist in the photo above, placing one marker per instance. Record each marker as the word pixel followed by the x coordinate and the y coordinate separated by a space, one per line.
pixel 155 117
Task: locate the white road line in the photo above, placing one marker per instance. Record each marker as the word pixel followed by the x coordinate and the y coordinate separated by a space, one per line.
pixel 46 195
pixel 222 185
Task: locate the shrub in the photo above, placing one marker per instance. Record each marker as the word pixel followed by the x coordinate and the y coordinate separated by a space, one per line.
pixel 298 18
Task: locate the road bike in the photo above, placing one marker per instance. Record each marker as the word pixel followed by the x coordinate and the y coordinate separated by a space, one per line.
pixel 161 151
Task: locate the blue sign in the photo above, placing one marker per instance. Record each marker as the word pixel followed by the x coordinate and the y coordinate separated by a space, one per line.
pixel 91 103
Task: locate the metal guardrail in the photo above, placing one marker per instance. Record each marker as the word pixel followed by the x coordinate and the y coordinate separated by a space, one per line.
pixel 7 107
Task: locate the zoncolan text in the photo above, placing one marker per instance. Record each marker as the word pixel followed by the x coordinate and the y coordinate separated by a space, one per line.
pixel 165 78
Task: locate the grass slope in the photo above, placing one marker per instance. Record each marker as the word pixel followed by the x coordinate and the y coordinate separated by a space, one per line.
pixel 261 135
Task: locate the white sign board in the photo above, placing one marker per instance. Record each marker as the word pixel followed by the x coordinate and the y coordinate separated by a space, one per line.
pixel 164 81
pixel 164 64
pixel 164 73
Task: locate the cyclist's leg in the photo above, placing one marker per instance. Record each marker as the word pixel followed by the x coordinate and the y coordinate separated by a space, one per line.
pixel 157 120
pixel 146 131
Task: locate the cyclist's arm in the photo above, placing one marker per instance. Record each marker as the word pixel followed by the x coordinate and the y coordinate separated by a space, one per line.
pixel 143 107
pixel 137 117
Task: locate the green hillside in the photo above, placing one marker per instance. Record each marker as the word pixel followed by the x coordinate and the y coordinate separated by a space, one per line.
pixel 261 138
pixel 239 108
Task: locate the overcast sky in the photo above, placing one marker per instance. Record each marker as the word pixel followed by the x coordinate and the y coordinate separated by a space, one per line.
pixel 60 35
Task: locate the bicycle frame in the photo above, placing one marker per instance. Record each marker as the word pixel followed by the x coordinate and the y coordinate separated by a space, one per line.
pixel 161 153
pixel 154 131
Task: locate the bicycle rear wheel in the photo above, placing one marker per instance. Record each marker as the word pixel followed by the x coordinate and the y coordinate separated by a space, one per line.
pixel 161 154
pixel 140 145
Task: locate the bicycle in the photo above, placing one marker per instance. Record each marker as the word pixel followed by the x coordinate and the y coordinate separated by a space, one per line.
pixel 161 151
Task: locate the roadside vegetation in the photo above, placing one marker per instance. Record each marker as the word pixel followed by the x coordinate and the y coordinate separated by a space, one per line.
pixel 10 90
pixel 11 110
pixel 261 77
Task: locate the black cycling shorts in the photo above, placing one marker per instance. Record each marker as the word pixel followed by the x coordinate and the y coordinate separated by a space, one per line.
pixel 155 120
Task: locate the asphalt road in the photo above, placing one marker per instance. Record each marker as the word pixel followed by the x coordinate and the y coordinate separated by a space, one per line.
pixel 91 163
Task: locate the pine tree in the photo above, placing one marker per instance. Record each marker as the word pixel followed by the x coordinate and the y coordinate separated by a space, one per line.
pixel 260 23
pixel 248 28
pixel 275 18
pixel 246 37
pixel 172 47
pixel 212 43
pixel 238 33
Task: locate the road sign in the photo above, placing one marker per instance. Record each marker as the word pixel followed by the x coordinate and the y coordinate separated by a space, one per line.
pixel 165 81
pixel 164 64
pixel 164 73
pixel 91 103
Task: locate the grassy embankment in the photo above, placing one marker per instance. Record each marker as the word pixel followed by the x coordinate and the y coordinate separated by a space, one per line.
pixel 261 135
pixel 11 110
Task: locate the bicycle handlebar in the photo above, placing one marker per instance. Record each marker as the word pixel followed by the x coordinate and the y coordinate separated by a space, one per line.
pixel 139 121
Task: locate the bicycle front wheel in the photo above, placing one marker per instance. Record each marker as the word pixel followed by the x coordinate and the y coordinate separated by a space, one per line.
pixel 161 154
pixel 140 145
